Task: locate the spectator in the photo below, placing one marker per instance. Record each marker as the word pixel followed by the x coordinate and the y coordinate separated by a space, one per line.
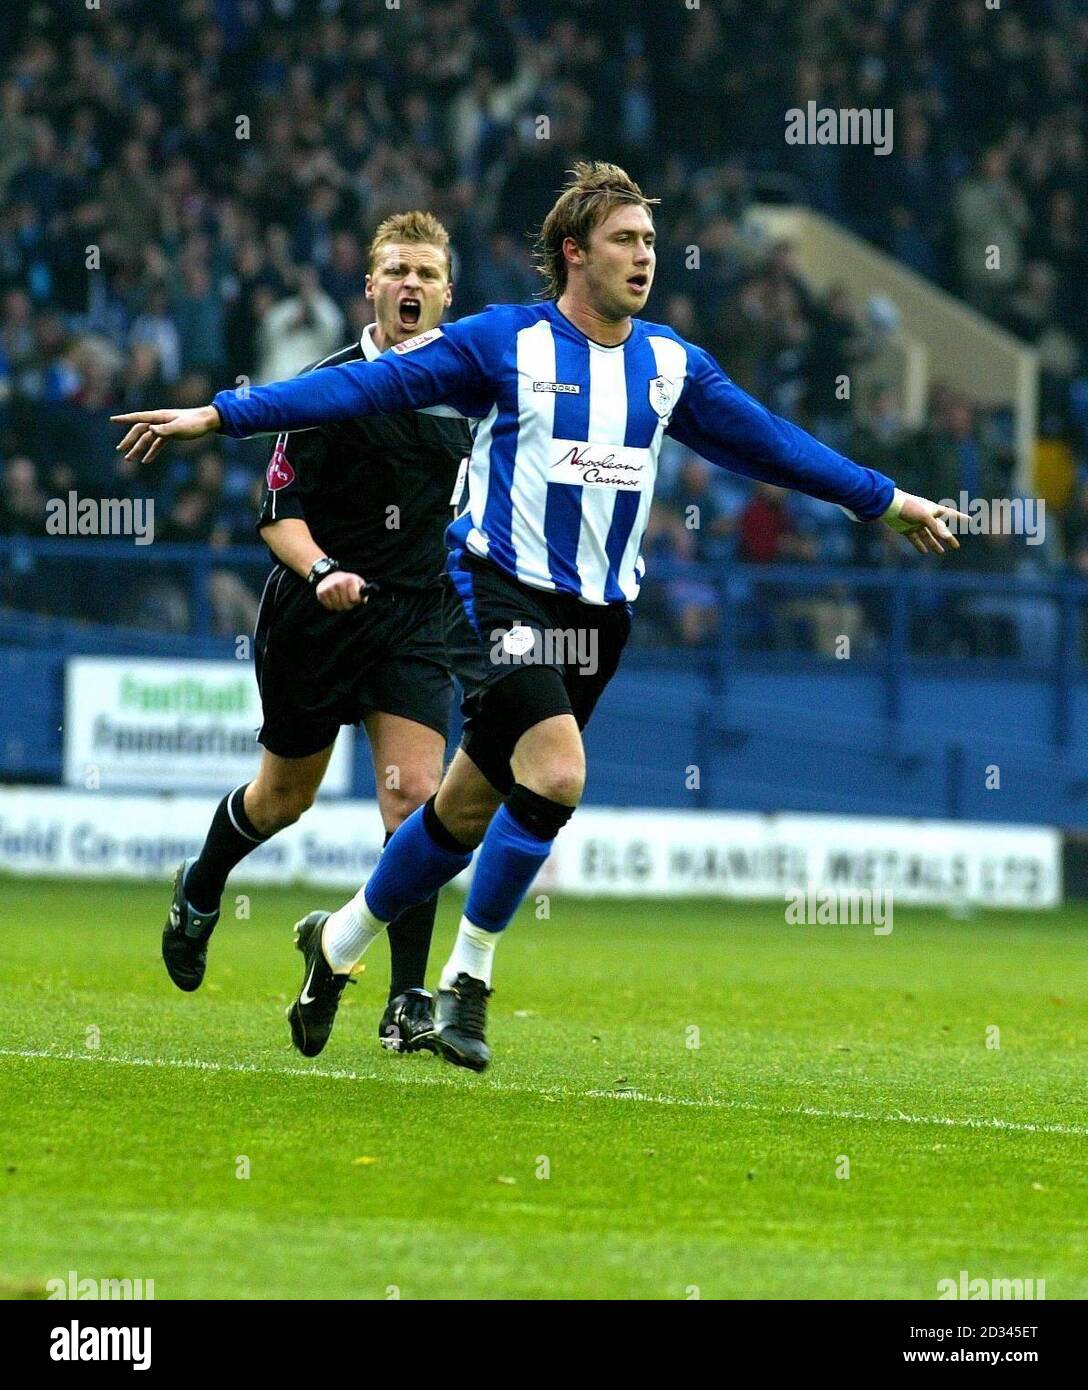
pixel 953 458
pixel 191 520
pixel 156 329
pixel 301 329
pixel 882 441
pixel 689 529
pixel 503 272
pixel 766 531
pixel 16 133
pixel 768 535
pixel 198 312
pixel 22 501
pixel 697 509
pixel 834 347
pixel 344 274
pixel 991 220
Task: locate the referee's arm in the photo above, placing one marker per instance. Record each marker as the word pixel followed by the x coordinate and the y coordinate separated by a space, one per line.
pixel 293 545
pixel 282 522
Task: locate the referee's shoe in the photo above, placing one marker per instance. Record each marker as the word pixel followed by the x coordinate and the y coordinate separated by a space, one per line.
pixel 185 936
pixel 408 1023
pixel 313 1012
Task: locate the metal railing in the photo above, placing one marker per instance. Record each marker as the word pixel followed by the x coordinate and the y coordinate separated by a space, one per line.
pixel 64 580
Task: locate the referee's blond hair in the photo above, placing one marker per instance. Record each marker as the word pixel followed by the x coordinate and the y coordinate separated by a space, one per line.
pixel 415 227
pixel 592 191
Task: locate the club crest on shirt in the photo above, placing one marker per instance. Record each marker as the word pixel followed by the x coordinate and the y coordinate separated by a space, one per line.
pixel 280 473
pixel 518 639
pixel 420 340
pixel 663 394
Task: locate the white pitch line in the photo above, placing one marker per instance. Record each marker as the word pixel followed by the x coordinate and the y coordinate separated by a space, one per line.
pixel 554 1092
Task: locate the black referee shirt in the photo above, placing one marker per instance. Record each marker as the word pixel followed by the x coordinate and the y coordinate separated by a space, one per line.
pixel 377 491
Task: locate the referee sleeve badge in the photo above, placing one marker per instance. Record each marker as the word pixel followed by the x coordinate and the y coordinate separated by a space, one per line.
pixel 280 473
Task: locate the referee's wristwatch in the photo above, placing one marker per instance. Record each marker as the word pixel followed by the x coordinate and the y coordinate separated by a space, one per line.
pixel 320 568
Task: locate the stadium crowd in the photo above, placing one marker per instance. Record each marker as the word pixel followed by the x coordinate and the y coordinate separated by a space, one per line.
pixel 187 193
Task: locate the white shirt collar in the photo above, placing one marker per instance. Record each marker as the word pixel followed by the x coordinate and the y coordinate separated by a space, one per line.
pixel 368 345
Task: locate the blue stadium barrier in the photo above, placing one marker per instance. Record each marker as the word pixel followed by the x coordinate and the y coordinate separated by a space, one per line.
pixel 729 726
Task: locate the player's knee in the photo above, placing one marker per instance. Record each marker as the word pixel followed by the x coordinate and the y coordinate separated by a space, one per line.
pixel 399 802
pixel 561 779
pixel 282 805
pixel 468 824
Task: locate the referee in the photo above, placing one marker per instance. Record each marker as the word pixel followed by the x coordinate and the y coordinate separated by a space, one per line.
pixel 349 628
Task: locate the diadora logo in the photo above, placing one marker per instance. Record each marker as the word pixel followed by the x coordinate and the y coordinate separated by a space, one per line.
pixel 558 388
pixel 420 340
pixel 280 473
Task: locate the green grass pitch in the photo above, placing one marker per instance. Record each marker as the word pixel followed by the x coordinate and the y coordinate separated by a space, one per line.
pixel 676 1093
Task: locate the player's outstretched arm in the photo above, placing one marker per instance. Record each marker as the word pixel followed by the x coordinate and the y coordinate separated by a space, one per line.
pixel 722 423
pixel 433 368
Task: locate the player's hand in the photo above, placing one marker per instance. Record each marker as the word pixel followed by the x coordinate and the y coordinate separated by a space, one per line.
pixel 151 430
pixel 340 591
pixel 922 522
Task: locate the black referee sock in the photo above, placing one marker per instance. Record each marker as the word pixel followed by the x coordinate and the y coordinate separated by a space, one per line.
pixel 231 836
pixel 410 944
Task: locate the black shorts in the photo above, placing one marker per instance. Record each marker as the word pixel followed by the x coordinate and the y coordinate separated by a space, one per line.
pixel 318 670
pixel 497 628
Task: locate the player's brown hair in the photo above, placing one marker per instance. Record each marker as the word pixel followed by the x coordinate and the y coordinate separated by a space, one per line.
pixel 416 227
pixel 593 189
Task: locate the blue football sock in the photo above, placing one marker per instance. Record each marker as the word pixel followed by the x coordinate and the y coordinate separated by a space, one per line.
pixel 412 867
pixel 509 860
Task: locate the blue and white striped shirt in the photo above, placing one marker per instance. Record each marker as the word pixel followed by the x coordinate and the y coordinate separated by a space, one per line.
pixel 564 459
